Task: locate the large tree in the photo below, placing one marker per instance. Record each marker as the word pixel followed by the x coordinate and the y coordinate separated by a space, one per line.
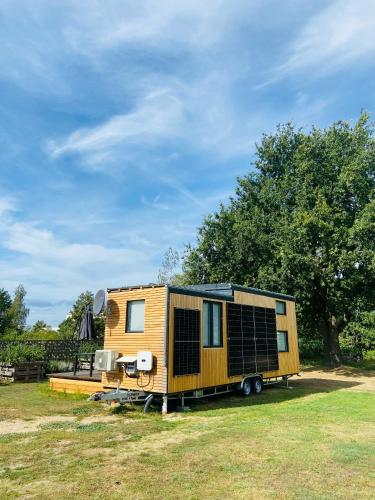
pixel 5 304
pixel 302 223
pixel 16 314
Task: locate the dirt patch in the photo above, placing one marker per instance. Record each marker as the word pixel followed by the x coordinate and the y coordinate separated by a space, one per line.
pixel 19 426
pixel 343 378
pixel 164 439
pixel 38 486
pixel 102 419
pixel 63 443
pixel 93 452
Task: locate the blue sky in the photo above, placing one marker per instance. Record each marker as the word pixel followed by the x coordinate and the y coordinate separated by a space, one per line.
pixel 124 123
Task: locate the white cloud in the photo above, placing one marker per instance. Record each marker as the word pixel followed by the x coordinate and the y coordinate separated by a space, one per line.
pixel 176 64
pixel 166 25
pixel 198 115
pixel 158 116
pixel 341 33
pixel 7 205
pixel 56 268
pixel 54 271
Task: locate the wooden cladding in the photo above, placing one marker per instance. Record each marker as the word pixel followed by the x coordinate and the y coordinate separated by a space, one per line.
pixel 186 357
pixel 252 339
pixel 129 343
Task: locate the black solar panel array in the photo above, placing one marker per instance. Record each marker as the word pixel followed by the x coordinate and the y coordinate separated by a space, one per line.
pixel 186 353
pixel 252 339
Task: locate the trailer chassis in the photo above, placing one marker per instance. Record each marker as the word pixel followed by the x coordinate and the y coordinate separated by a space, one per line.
pixel 123 396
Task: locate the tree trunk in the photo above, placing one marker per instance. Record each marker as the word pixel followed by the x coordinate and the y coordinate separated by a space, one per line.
pixel 332 353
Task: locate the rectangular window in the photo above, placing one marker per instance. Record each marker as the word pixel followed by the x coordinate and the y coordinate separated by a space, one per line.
pixel 282 341
pixel 135 316
pixel 212 329
pixel 280 307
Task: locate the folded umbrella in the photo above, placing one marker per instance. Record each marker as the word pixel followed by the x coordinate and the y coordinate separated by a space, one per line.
pixel 87 326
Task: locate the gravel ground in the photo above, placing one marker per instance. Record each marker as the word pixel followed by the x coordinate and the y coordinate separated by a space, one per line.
pixel 345 378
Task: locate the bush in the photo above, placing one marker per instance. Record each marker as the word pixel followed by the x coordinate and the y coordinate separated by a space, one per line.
pixel 369 356
pixel 358 338
pixel 310 348
pixel 13 354
pixel 40 335
pixel 89 346
pixel 10 335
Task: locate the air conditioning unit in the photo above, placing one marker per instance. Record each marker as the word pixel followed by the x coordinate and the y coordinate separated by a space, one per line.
pixel 105 360
pixel 144 361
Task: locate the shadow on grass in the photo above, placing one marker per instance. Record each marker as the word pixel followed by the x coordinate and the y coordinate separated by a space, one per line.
pixel 272 394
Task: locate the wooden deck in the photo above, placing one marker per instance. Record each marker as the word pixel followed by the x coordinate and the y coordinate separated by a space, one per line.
pixel 81 382
pixel 79 375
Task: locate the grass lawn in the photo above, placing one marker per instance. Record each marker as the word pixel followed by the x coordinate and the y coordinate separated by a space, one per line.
pixel 307 442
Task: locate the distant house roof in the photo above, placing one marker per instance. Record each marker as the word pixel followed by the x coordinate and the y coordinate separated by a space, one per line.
pixel 211 290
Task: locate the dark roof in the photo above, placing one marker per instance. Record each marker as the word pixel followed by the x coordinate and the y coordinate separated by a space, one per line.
pixel 227 289
pixel 223 291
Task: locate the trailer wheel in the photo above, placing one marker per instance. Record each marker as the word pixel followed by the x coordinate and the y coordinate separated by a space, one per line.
pixel 258 386
pixel 246 387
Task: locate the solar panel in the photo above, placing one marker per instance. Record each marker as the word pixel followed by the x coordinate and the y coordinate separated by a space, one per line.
pixel 252 339
pixel 186 352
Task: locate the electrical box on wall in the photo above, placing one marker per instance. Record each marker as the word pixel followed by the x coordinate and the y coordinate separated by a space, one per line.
pixel 144 361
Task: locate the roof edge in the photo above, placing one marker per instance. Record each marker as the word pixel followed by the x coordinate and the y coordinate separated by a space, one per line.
pixel 209 293
pixel 200 293
pixel 135 287
pixel 212 287
pixel 267 293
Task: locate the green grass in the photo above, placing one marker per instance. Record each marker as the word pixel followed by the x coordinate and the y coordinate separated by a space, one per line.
pixel 295 443
pixel 365 364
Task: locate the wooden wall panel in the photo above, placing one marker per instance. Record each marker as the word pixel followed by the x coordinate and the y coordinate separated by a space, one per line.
pixel 213 359
pixel 214 369
pixel 74 386
pixel 288 361
pixel 130 343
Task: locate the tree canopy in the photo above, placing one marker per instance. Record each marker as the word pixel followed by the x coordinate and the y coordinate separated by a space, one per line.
pixel 13 312
pixel 5 303
pixel 302 223
pixel 167 273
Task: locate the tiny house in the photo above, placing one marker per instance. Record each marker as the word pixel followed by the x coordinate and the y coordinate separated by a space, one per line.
pixel 197 340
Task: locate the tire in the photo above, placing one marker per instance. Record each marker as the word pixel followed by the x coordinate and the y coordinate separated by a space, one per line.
pixel 257 386
pixel 246 388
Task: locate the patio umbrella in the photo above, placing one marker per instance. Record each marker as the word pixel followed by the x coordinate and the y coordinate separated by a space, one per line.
pixel 87 327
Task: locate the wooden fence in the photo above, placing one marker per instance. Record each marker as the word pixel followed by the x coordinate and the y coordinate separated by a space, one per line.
pixel 27 372
pixel 58 350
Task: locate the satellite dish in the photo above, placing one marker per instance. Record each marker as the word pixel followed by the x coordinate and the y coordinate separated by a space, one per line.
pixel 99 302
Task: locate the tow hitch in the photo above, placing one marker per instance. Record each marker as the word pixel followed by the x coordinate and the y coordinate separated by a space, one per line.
pixel 123 396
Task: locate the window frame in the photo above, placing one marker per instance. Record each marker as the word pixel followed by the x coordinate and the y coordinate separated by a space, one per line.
pixel 284 332
pixel 128 302
pixel 281 302
pixel 211 332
